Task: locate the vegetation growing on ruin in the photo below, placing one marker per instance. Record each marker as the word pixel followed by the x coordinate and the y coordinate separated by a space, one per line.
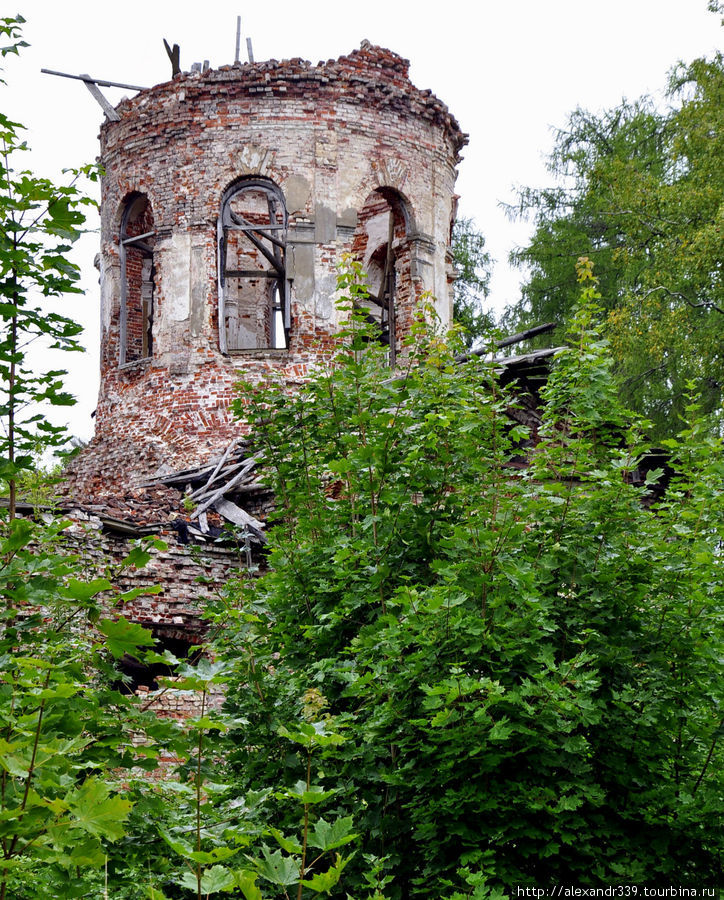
pixel 458 674
pixel 527 664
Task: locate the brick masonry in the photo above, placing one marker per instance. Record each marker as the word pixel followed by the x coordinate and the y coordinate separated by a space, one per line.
pixel 336 138
pixel 347 143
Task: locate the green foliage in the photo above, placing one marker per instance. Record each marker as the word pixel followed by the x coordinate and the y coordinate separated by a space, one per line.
pixel 77 816
pixel 219 841
pixel 473 265
pixel 39 221
pixel 122 637
pixel 66 736
pixel 641 193
pixel 528 666
pixel 455 676
pixel 66 733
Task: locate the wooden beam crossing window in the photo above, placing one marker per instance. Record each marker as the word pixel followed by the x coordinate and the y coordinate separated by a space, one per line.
pixel 138 275
pixel 253 288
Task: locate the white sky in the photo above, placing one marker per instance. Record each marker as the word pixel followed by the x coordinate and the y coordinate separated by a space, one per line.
pixel 509 70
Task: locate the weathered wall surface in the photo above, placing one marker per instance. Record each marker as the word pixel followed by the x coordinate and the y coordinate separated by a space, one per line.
pixel 328 136
pixel 182 576
pixel 185 573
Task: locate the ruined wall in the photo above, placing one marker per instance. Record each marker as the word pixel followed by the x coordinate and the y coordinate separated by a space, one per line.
pixel 183 578
pixel 332 158
pixel 185 573
pixel 329 137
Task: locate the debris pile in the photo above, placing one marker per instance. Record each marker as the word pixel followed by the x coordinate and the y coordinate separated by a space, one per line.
pixel 196 503
pixel 223 486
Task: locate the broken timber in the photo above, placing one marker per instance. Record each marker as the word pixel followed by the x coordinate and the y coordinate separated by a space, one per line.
pixel 508 341
pixel 98 96
pixel 218 486
pixel 93 86
pixel 174 55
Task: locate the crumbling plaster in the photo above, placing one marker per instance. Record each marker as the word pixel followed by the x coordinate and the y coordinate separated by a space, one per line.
pixel 333 138
pixel 328 136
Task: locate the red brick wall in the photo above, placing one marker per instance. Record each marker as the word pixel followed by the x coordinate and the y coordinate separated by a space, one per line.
pixel 137 343
pixel 329 136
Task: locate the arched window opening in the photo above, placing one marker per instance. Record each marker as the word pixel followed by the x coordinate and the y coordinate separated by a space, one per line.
pixel 377 243
pixel 137 280
pixel 253 296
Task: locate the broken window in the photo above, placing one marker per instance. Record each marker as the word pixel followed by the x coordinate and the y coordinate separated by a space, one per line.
pixel 379 244
pixel 144 675
pixel 137 280
pixel 253 289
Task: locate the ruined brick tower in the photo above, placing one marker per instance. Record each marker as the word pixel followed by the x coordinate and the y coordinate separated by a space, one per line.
pixel 228 199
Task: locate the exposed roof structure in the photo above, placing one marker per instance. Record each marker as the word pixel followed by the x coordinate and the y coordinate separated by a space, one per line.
pixel 196 502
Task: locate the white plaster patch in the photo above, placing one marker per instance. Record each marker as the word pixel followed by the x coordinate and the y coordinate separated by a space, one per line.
pixel 255 160
pixel 378 230
pixel 109 287
pixel 176 261
pixel 351 189
pixel 297 190
pixel 324 297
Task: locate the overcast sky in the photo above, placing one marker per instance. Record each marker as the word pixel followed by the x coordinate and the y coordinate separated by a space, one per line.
pixel 509 70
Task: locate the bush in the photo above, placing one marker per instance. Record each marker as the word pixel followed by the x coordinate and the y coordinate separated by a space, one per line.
pixel 527 663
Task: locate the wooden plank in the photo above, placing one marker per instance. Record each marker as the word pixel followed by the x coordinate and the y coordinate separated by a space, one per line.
pixel 99 81
pixel 526 359
pixel 201 495
pixel 189 480
pixel 250 487
pixel 526 335
pixel 105 105
pixel 376 300
pixel 262 229
pixel 220 463
pixel 249 464
pixel 142 246
pixel 508 341
pixel 174 54
pixel 186 477
pixel 247 229
pixel 251 236
pixel 388 287
pixel 138 237
pixel 237 516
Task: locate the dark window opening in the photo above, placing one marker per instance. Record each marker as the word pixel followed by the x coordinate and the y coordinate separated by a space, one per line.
pixel 138 275
pixel 254 294
pixel 378 244
pixel 138 674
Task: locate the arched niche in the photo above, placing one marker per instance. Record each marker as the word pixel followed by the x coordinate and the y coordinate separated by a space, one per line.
pixel 380 243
